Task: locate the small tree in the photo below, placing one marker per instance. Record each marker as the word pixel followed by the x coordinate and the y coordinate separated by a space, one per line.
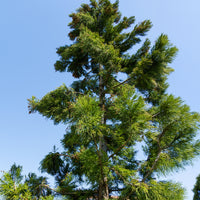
pixel 108 115
pixel 38 186
pixel 13 186
pixel 196 189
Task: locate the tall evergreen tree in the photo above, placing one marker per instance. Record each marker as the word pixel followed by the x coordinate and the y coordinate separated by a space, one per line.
pixel 108 119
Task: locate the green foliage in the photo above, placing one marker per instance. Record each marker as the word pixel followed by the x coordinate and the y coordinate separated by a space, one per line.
pixel 89 124
pixel 13 187
pixel 154 190
pixel 56 105
pixel 38 186
pixel 175 129
pixel 196 189
pixel 108 119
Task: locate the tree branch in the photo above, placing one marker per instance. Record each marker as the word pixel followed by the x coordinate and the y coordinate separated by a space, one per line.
pixel 160 150
pixel 66 155
pixel 47 186
pixel 155 115
pixel 121 83
pixel 121 147
pixel 152 168
pixel 70 193
pixel 118 173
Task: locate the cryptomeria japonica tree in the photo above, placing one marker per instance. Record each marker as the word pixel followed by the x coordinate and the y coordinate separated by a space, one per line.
pixel 109 119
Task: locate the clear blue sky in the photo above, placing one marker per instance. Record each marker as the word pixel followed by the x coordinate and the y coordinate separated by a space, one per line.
pixel 30 32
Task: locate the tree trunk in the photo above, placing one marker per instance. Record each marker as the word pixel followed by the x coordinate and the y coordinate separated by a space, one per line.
pixel 103 182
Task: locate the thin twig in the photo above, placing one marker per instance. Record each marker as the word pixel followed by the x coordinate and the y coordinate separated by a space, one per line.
pixel 66 155
pixel 121 83
pixel 155 115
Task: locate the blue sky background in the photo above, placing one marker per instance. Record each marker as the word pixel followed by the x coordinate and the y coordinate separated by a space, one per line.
pixel 30 32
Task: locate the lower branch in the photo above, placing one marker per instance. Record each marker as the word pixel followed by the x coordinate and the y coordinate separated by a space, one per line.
pixel 152 168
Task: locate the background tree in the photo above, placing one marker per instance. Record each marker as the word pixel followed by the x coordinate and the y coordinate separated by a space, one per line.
pixel 38 186
pixel 118 104
pixel 13 186
pixel 196 189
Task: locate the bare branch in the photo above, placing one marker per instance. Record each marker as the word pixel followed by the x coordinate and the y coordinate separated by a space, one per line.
pixel 155 115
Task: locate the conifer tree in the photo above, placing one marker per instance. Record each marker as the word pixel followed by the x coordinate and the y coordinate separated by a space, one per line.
pixel 109 119
pixel 14 187
pixel 11 185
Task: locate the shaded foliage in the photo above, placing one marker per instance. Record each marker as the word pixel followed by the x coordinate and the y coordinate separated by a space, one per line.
pixel 196 189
